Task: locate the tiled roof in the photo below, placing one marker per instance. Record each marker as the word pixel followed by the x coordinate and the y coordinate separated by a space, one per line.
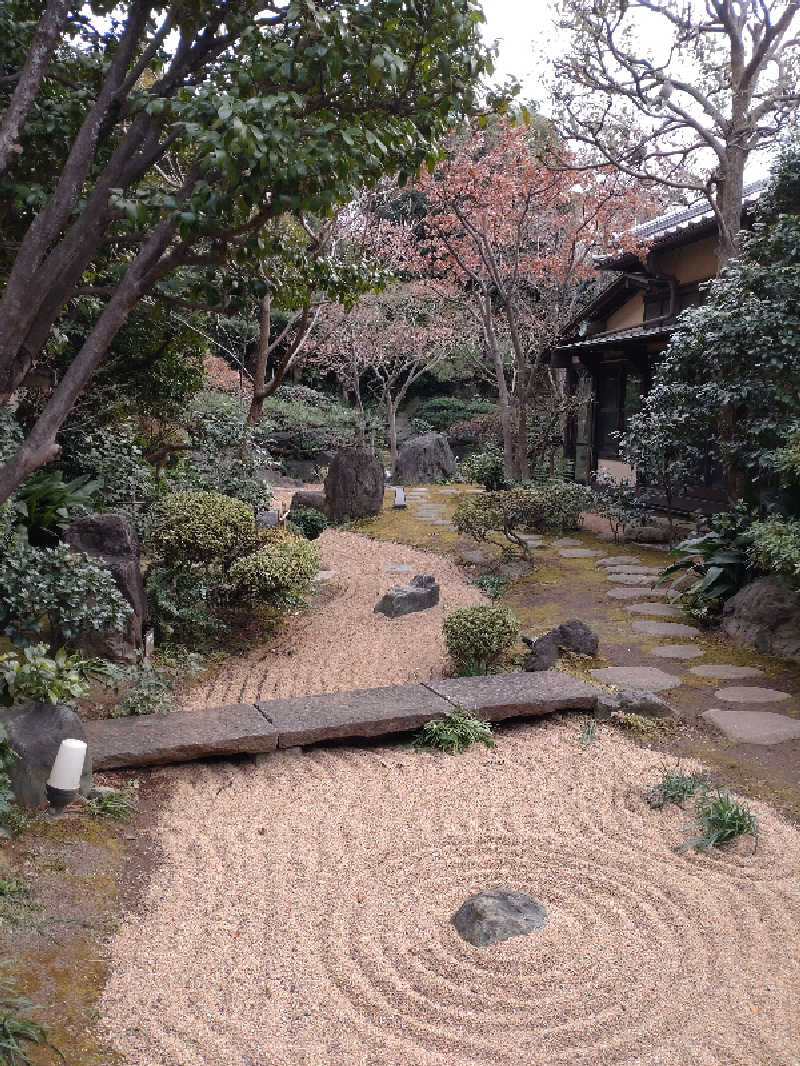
pixel 619 336
pixel 689 217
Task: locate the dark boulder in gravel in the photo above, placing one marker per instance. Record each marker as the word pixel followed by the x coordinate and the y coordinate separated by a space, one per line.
pixel 424 460
pixel 574 636
pixel 354 486
pixel 419 594
pixel 498 914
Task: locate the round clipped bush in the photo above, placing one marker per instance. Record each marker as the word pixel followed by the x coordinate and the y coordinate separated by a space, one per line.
pixel 199 527
pixel 478 637
pixel 308 521
pixel 277 575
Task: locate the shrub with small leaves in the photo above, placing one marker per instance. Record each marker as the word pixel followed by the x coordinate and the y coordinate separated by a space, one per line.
pixel 32 675
pixel 477 637
pixel 67 589
pixel 775 546
pixel 720 818
pixel 277 575
pixel 486 468
pixel 199 527
pixel 492 585
pixel 308 521
pixel 454 732
pixel 183 601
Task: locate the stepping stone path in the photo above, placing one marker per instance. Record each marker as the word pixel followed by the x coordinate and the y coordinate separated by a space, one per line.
pixel 754 727
pixel 742 694
pixel 665 629
pixel 635 592
pixel 648 678
pixel 657 610
pixel 568 542
pixel 677 651
pixel 631 580
pixel 578 553
pixel 725 671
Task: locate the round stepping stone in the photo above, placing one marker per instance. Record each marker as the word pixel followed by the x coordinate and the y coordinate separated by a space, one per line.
pixel 725 671
pixel 665 629
pixel 618 560
pixel 754 694
pixel 631 579
pixel 632 569
pixel 754 727
pixel 578 553
pixel 649 678
pixel 677 651
pixel 567 542
pixel 657 610
pixel 635 592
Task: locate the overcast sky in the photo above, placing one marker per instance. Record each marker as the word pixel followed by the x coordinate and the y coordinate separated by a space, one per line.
pixel 516 24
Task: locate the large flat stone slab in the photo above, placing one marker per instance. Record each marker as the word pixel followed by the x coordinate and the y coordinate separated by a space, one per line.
pixel 643 580
pixel 754 727
pixel 725 671
pixel 519 695
pixel 370 712
pixel 655 610
pixel 751 694
pixel 578 553
pixel 566 542
pixel 618 560
pixel 182 736
pixel 677 651
pixel 665 629
pixel 634 568
pixel 648 678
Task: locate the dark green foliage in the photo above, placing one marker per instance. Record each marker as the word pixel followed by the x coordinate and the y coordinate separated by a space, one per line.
pixel 441 412
pixel 719 560
pixel 720 818
pixel 7 757
pixel 148 687
pixel 726 391
pixel 454 732
pixel 183 600
pixel 674 786
pixel 492 585
pixel 478 637
pixel 487 469
pixel 111 455
pixel 30 674
pixel 46 504
pixel 308 521
pixel 199 527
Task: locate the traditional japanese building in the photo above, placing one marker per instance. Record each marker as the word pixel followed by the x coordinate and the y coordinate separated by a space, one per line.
pixel 610 349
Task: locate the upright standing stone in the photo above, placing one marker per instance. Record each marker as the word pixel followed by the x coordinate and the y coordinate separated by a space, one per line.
pixel 354 486
pixel 112 541
pixel 425 459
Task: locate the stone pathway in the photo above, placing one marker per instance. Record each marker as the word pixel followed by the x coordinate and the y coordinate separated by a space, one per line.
pixel 634 581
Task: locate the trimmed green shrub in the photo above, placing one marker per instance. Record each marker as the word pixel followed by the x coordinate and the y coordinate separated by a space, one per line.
pixel 32 675
pixel 486 468
pixel 183 599
pixel 278 575
pixel 454 732
pixel 199 527
pixel 308 521
pixel 65 588
pixel 477 637
pixel 775 546
pixel 442 411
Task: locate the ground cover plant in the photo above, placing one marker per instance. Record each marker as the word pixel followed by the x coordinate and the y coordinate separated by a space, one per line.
pixel 454 732
pixel 674 786
pixel 720 819
pixel 19 1033
pixel 118 805
pixel 478 637
pixel 492 585
pixel 30 674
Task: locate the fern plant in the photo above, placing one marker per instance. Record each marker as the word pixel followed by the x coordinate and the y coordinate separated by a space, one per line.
pixel 454 732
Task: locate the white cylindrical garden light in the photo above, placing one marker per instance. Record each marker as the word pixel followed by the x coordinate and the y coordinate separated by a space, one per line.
pixel 65 777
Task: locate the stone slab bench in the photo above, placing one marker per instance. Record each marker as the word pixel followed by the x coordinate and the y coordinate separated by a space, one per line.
pixel 184 736
pixel 399 498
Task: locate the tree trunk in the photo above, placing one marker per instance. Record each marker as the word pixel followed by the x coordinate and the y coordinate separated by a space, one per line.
pixel 522 437
pixel 729 206
pixel 260 372
pixel 504 400
pixel 392 413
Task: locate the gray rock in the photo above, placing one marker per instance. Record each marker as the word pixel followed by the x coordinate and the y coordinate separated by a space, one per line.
pixel 419 594
pixel 497 914
pixel 425 459
pixel 677 651
pixel 725 671
pixel 665 629
pixel 268 519
pixel 754 727
pixel 751 694
pixel 35 731
pixel 766 615
pixel 632 701
pixel 652 534
pixel 305 499
pixel 354 486
pixel 518 695
pixel 573 635
pixel 644 678
pixel 112 541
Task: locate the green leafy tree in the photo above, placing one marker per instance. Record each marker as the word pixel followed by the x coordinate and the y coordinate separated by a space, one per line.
pixel 152 140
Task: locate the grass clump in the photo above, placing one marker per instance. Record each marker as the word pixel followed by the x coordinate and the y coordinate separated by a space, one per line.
pixel 454 732
pixel 588 733
pixel 18 1033
pixel 720 818
pixel 674 787
pixel 16 899
pixel 118 805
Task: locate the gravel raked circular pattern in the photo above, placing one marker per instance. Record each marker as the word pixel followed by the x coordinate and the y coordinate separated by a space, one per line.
pixel 302 917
